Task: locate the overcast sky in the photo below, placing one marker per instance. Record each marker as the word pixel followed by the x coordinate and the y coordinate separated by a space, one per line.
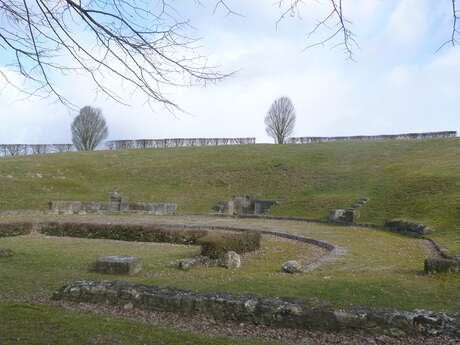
pixel 397 84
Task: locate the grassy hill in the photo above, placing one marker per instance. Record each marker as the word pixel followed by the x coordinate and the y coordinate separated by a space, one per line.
pixel 414 180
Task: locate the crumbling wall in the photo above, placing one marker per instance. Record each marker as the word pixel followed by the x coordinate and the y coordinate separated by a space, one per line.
pixel 406 227
pixel 116 204
pixel 275 312
pixel 348 215
pixel 244 205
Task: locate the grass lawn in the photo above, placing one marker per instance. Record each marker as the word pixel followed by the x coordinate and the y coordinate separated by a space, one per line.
pixel 414 180
pixel 379 269
pixel 44 325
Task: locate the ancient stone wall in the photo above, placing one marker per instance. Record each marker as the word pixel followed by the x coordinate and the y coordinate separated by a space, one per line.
pixel 275 312
pixel 348 216
pixel 406 227
pixel 80 207
pixel 405 136
pixel 243 205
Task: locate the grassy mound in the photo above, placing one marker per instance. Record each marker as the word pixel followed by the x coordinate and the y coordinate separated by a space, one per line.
pixel 412 180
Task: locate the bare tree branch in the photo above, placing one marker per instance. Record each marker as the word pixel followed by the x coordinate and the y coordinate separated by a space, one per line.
pixel 142 43
pixel 453 40
pixel 334 22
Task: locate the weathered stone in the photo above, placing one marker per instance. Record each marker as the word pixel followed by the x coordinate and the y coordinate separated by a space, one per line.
pixel 118 265
pixel 231 260
pixel 292 267
pixel 343 216
pixel 247 205
pixel 439 265
pixel 116 204
pixel 188 263
pixel 308 341
pixel 5 252
pixel 406 227
pixel 275 312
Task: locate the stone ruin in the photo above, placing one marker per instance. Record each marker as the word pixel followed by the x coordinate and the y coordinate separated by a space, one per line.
pixel 128 265
pixel 230 260
pixel 116 204
pixel 348 215
pixel 314 315
pixel 247 205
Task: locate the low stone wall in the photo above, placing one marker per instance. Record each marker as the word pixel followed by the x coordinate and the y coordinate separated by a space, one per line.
pixel 406 227
pixel 81 207
pixel 275 312
pixel 405 136
pixel 242 205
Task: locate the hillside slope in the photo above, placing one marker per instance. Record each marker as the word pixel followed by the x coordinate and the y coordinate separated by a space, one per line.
pixel 415 180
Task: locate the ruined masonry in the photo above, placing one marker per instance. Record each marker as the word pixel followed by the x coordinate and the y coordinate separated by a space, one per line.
pixel 116 204
pixel 246 205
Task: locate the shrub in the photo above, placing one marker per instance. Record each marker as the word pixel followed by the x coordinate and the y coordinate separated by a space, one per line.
pixel 215 247
pixel 124 232
pixel 15 229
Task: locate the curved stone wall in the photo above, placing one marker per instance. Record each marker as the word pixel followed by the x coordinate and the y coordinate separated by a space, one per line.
pixel 275 312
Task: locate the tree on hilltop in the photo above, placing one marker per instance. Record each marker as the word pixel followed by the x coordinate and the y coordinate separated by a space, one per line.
pixel 89 129
pixel 280 120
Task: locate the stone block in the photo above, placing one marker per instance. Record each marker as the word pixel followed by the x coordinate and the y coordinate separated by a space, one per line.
pixel 188 263
pixel 231 260
pixel 344 216
pixel 407 227
pixel 440 265
pixel 5 252
pixel 292 267
pixel 118 265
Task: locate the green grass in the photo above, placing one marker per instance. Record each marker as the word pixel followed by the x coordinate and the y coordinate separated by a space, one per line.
pixel 43 325
pixel 43 264
pixel 380 269
pixel 414 180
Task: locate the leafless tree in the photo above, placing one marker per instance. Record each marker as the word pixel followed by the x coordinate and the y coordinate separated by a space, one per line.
pixel 88 129
pixel 280 120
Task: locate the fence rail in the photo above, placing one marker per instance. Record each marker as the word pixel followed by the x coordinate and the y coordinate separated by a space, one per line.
pixel 33 149
pixel 176 142
pixel 40 149
pixel 426 135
